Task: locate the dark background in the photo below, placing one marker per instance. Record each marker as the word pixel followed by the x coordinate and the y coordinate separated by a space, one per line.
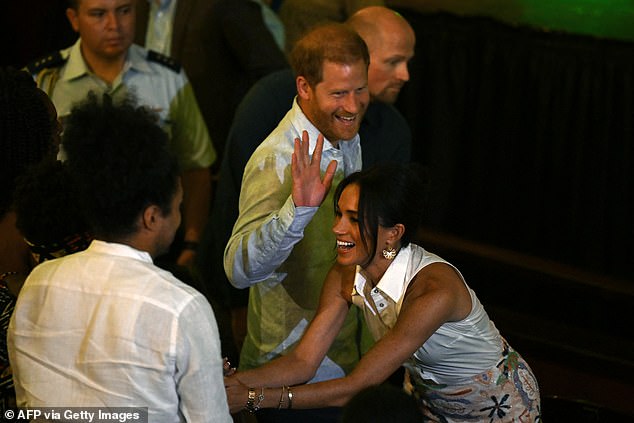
pixel 522 111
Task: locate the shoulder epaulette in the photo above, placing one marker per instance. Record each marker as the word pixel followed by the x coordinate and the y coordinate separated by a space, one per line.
pixel 164 60
pixel 53 60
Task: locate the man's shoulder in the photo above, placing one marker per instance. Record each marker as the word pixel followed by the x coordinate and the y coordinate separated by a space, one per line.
pixel 275 150
pixel 53 60
pixel 384 120
pixel 276 90
pixel 282 137
pixel 163 60
pixel 379 113
pixel 385 135
pixel 278 79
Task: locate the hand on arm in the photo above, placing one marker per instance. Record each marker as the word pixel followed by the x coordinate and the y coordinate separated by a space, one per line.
pixel 299 365
pixel 308 188
pixel 433 298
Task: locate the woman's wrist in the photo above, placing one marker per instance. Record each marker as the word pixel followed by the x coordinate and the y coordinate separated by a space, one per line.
pixel 254 401
pixel 269 398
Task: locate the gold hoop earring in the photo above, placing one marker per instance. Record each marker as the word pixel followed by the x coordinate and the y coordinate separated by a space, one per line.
pixel 389 253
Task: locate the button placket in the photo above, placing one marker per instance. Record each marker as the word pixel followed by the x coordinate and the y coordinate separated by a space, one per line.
pixel 378 299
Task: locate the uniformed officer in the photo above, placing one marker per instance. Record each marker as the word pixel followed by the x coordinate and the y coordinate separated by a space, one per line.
pixel 105 60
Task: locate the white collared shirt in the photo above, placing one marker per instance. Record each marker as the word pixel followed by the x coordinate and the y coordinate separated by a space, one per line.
pixel 105 327
pixel 456 350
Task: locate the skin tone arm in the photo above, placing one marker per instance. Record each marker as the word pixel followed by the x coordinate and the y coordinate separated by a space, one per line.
pixel 436 295
pixel 299 365
pixel 197 194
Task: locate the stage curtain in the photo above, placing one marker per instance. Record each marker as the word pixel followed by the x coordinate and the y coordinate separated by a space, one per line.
pixel 528 137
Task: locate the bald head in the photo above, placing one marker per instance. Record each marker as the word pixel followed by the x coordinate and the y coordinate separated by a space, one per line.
pixel 390 40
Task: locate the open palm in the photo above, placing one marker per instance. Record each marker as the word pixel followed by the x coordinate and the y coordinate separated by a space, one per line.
pixel 309 190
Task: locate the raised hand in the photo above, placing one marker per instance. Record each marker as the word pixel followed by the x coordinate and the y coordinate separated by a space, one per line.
pixel 308 188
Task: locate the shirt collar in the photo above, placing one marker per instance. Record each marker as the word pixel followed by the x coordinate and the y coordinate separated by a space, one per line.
pixel 77 67
pixel 302 123
pixel 391 284
pixel 116 249
pixel 137 59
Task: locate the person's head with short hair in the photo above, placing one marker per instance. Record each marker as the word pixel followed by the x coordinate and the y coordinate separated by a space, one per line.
pixel 330 63
pixel 28 129
pixel 383 201
pixel 106 27
pixel 391 41
pixel 129 179
pixel 48 213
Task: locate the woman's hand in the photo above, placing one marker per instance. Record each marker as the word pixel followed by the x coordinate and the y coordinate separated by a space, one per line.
pixel 237 393
pixel 227 370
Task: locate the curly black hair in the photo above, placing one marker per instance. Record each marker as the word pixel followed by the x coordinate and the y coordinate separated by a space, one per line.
pixel 25 129
pixel 122 163
pixel 46 204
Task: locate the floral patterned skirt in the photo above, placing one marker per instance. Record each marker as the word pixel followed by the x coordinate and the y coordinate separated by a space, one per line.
pixel 507 392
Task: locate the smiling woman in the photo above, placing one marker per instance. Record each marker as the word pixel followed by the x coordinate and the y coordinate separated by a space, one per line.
pixel 419 309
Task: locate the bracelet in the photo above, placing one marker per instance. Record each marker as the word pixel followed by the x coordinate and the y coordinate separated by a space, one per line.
pixel 252 406
pixel 290 397
pixel 279 405
pixel 190 245
pixel 260 399
pixel 251 401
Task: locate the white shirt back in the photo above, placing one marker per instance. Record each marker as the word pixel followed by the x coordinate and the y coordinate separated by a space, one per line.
pixel 106 327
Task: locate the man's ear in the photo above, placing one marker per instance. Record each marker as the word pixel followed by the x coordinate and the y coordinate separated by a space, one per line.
pixel 149 218
pixel 303 88
pixel 71 14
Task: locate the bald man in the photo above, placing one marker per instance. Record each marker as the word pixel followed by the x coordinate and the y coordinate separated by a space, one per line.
pixel 390 40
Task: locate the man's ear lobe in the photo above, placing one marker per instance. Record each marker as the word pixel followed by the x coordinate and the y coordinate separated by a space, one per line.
pixel 149 217
pixel 303 88
pixel 71 14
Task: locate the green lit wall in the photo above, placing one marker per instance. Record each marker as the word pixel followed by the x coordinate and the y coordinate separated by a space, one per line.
pixel 601 18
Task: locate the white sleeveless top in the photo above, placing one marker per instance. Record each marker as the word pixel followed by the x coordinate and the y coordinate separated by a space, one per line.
pixel 457 350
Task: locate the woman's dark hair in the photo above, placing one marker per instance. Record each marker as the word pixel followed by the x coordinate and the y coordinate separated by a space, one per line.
pixel 121 159
pixel 388 194
pixel 25 129
pixel 46 204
